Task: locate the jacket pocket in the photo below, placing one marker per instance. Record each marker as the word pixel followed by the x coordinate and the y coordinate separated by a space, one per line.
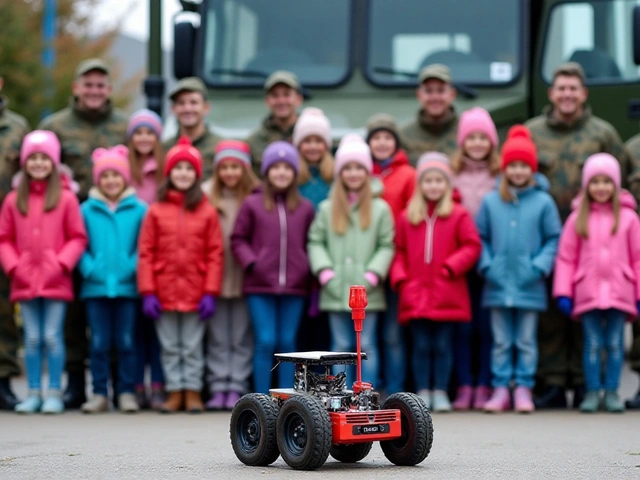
pixel 496 271
pixel 628 273
pixel 526 273
pixel 22 273
pixel 579 275
pixel 159 266
pixel 52 270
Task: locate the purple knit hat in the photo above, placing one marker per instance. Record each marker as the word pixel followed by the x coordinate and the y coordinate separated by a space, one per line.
pixel 280 151
pixel 145 118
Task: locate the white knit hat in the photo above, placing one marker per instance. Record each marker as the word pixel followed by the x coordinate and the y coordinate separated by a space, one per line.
pixel 312 121
pixel 353 148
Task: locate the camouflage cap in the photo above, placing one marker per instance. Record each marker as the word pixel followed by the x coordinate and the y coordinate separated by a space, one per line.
pixel 435 70
pixel 189 84
pixel 91 64
pixel 282 76
pixel 382 121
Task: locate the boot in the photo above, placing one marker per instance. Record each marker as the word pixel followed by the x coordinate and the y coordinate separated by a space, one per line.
pixel 174 402
pixel 464 398
pixel 141 398
pixel 499 401
pixel 32 404
pixel 8 399
pixel 127 403
pixel 232 399
pixel 634 403
pixel 578 396
pixel 480 397
pixel 193 402
pixel 591 402
pixel 522 400
pixel 99 403
pixel 552 397
pixel 75 394
pixel 441 401
pixel 157 397
pixel 217 401
pixel 612 403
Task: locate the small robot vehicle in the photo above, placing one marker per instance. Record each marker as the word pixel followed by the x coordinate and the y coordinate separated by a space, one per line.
pixel 319 416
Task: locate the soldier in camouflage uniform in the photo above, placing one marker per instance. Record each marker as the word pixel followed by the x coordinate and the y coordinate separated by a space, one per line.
pixel 565 135
pixel 13 128
pixel 436 125
pixel 89 122
pixel 190 106
pixel 283 97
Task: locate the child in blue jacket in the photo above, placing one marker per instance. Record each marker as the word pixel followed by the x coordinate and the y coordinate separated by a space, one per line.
pixel 113 216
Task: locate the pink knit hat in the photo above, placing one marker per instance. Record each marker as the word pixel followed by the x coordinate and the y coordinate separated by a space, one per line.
pixel 312 121
pixel 40 141
pixel 145 118
pixel 477 120
pixel 601 164
pixel 353 148
pixel 114 158
pixel 434 161
pixel 232 150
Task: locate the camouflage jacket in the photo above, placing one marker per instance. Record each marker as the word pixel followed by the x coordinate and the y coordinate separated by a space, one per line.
pixel 563 149
pixel 13 128
pixel 206 145
pixel 262 136
pixel 632 149
pixel 426 135
pixel 80 133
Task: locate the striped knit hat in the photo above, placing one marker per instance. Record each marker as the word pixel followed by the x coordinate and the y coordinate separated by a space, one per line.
pixel 234 150
pixel 434 161
pixel 114 158
pixel 145 118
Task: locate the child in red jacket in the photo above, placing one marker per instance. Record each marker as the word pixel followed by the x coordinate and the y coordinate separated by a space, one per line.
pixel 436 245
pixel 42 237
pixel 180 273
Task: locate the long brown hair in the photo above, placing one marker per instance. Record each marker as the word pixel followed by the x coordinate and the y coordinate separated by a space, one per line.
pixel 505 188
pixel 51 196
pixel 325 165
pixel 136 163
pixel 292 196
pixel 582 222
pixel 341 209
pixel 417 209
pixel 248 183
pixel 192 197
pixel 492 159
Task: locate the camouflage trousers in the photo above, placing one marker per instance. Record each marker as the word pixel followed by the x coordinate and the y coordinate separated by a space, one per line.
pixel 559 348
pixel 8 332
pixel 75 331
pixel 634 357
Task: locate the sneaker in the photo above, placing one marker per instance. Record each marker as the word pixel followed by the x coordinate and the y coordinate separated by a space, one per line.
pixel 612 402
pixel 53 404
pixel 157 398
pixel 127 403
pixel 232 399
pixel 499 401
pixel 441 401
pixel 141 398
pixel 32 404
pixel 523 400
pixel 99 403
pixel 591 402
pixel 480 397
pixel 217 401
pixel 425 395
pixel 464 398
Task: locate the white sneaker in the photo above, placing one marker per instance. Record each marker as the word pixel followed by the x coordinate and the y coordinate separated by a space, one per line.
pixel 425 395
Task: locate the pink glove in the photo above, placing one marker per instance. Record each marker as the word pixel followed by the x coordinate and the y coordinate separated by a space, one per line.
pixel 372 278
pixel 326 276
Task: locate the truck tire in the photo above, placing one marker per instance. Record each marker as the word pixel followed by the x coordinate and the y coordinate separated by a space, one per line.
pixel 253 430
pixel 417 430
pixel 304 432
pixel 351 453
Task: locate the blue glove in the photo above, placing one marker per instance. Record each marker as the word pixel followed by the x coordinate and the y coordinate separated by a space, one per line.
pixel 207 307
pixel 638 305
pixel 565 305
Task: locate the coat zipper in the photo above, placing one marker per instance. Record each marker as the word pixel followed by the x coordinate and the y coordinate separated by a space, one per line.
pixel 282 272
pixel 428 241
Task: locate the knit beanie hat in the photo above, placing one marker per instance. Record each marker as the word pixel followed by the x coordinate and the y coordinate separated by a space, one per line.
pixel 353 148
pixel 382 121
pixel 114 158
pixel 477 120
pixel 312 121
pixel 519 148
pixel 280 151
pixel 183 151
pixel 232 150
pixel 434 161
pixel 145 118
pixel 601 164
pixel 40 141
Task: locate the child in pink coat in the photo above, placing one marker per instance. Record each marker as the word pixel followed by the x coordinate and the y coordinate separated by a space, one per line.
pixel 597 275
pixel 42 237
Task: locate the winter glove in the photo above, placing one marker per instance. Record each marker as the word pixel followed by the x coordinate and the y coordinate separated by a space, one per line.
pixel 326 276
pixel 151 306
pixel 207 307
pixel 638 305
pixel 372 278
pixel 314 304
pixel 565 305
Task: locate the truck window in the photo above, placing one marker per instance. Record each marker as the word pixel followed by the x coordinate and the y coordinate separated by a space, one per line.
pixel 480 41
pixel 246 40
pixel 598 35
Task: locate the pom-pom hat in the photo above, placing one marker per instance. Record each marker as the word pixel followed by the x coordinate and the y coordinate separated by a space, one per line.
pixel 519 148
pixel 114 158
pixel 183 151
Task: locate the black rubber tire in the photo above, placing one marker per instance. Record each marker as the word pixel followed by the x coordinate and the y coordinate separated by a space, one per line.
pixel 417 430
pixel 351 453
pixel 253 430
pixel 304 432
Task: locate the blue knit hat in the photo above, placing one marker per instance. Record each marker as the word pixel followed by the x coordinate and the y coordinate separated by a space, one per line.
pixel 280 151
pixel 145 118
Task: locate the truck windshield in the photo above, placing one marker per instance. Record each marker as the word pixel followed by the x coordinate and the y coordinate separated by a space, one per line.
pixel 245 40
pixel 481 41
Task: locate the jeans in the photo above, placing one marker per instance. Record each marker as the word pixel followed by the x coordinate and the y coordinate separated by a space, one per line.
pixel 432 354
pixel 112 322
pixel 394 348
pixel 275 320
pixel 343 339
pixel 147 350
pixel 514 327
pixel 43 321
pixel 603 331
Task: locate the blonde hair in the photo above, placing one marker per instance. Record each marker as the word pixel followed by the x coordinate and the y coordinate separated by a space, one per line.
pixel 341 209
pixel 325 166
pixel 492 159
pixel 582 222
pixel 136 164
pixel 248 183
pixel 417 210
pixel 51 197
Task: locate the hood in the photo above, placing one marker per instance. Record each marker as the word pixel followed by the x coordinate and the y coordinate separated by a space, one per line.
pixel 541 183
pixel 66 177
pixel 399 158
pixel 626 200
pixel 97 194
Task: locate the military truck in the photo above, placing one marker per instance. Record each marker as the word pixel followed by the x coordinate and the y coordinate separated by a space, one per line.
pixel 359 57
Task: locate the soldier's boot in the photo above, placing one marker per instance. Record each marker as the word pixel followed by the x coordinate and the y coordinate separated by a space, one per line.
pixel 552 397
pixel 174 402
pixel 8 399
pixel 193 401
pixel 75 394
pixel 634 403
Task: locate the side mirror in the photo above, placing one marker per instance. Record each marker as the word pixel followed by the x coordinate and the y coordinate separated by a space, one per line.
pixel 635 23
pixel 184 37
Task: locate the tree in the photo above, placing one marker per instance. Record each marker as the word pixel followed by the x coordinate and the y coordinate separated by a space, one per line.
pixel 27 83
